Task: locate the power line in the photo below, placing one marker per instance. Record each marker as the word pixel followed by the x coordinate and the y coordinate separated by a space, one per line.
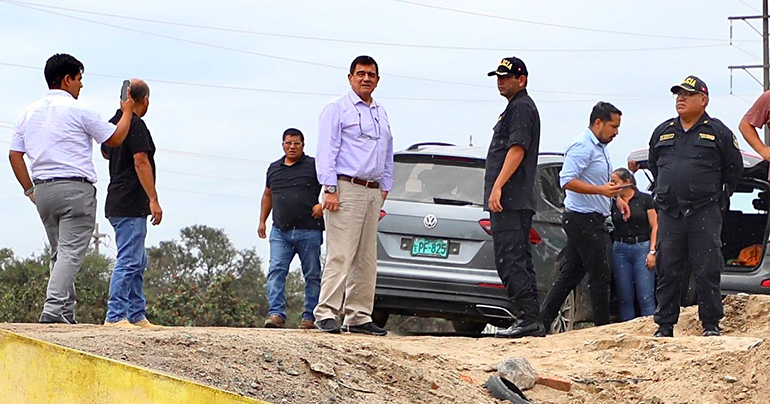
pixel 553 25
pixel 749 6
pixel 278 91
pixel 346 41
pixel 242 51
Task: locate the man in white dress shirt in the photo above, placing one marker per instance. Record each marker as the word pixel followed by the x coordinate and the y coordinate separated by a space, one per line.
pixel 56 134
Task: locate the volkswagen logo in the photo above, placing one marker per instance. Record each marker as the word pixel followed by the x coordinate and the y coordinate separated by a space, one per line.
pixel 430 221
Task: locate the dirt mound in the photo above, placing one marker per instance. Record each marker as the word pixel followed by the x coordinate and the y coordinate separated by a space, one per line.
pixel 618 363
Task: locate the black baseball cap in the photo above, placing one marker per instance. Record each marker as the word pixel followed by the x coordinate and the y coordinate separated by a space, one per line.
pixel 691 84
pixel 510 66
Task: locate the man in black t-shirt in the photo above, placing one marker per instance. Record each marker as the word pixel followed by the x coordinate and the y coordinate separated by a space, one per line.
pixel 509 184
pixel 131 197
pixel 291 193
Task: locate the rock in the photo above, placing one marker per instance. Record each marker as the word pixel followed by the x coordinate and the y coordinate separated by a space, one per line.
pixel 323 368
pixel 268 358
pixel 292 372
pixel 730 379
pixel 518 371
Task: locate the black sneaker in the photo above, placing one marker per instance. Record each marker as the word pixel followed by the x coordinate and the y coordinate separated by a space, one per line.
pixel 711 330
pixel 522 329
pixel 664 331
pixel 328 325
pixel 367 328
pixel 46 318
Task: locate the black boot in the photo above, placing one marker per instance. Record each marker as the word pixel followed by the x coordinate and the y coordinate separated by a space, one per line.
pixel 664 331
pixel 530 325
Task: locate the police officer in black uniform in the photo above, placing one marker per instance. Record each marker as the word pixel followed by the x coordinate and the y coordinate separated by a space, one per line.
pixel 696 164
pixel 509 185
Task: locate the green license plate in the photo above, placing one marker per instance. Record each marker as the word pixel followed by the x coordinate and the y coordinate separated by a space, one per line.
pixel 430 247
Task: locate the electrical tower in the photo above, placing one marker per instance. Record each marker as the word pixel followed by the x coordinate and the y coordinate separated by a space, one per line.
pixel 765 66
pixel 98 238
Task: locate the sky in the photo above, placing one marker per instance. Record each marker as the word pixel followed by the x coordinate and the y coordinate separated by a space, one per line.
pixel 228 77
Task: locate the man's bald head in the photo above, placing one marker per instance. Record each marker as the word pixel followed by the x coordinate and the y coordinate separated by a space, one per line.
pixel 140 93
pixel 139 90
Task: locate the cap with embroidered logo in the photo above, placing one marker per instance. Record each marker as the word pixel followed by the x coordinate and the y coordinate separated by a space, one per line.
pixel 510 66
pixel 691 84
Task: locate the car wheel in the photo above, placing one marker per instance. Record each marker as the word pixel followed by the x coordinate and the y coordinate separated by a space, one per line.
pixel 380 318
pixel 565 319
pixel 471 327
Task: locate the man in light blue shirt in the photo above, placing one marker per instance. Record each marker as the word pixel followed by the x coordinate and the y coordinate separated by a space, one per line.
pixel 586 178
pixel 354 163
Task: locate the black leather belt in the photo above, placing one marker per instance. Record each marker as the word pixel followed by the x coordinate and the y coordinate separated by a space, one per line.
pixel 52 180
pixel 368 184
pixel 633 240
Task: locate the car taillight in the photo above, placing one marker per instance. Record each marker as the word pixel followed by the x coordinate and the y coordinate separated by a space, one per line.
pixel 486 224
pixel 765 283
pixel 492 285
pixel 534 238
pixel 382 214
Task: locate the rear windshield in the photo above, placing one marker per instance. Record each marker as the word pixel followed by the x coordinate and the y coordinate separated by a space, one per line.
pixel 431 179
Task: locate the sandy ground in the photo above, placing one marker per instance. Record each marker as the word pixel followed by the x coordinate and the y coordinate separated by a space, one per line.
pixel 619 363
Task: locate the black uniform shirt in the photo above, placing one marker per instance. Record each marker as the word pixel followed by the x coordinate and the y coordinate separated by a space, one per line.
pixel 125 195
pixel 518 125
pixel 295 191
pixel 693 168
pixel 639 223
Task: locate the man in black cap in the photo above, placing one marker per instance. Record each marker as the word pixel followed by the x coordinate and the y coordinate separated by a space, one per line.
pixel 509 184
pixel 696 164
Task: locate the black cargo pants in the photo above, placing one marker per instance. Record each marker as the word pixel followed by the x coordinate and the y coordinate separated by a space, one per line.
pixel 513 259
pixel 697 238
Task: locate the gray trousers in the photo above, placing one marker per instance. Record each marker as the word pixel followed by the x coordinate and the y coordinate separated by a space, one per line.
pixel 68 211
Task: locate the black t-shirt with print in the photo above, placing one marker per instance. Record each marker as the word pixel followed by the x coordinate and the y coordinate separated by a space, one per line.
pixel 638 224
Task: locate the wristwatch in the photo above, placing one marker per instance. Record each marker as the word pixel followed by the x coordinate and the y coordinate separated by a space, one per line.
pixel 29 191
pixel 653 252
pixel 330 189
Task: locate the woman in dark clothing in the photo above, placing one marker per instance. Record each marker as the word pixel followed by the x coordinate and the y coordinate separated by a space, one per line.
pixel 633 252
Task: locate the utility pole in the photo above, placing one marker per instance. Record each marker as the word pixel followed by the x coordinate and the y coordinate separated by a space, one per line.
pixel 97 238
pixel 765 66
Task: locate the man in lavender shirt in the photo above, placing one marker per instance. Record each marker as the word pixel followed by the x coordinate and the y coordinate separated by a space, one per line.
pixel 354 162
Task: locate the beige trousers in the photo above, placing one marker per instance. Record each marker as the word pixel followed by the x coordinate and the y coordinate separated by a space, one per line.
pixel 350 273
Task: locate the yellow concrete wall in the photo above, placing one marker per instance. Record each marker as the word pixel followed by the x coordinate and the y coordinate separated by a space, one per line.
pixel 37 372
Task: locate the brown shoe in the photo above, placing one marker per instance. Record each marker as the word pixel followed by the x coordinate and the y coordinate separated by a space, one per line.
pixel 147 325
pixel 274 321
pixel 124 324
pixel 307 324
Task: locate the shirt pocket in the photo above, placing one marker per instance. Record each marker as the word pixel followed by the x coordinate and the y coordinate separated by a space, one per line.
pixel 705 152
pixel 664 149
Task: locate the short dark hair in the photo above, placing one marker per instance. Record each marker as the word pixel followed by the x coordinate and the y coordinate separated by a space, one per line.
pixel 60 65
pixel 139 90
pixel 625 175
pixel 364 60
pixel 293 132
pixel 603 111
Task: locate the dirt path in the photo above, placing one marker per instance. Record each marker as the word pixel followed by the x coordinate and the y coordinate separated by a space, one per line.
pixel 620 363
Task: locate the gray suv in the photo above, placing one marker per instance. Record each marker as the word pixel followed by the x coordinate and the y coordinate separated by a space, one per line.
pixel 434 253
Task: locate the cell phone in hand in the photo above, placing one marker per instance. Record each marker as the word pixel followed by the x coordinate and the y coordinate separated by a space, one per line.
pixel 124 90
pixel 624 186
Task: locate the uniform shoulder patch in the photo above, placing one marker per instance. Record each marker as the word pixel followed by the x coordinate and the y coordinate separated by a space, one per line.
pixel 708 136
pixel 667 136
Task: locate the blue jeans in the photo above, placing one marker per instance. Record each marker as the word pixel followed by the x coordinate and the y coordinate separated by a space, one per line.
pixel 633 279
pixel 284 244
pixel 127 300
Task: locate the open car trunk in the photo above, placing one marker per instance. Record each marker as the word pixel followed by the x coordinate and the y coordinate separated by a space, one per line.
pixel 746 224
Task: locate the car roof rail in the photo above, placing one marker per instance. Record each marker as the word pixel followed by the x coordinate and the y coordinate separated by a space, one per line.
pixel 551 154
pixel 418 145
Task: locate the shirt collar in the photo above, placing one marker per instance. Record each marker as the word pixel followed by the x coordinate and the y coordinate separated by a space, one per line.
pixel 518 95
pixel 593 138
pixel 704 119
pixel 301 159
pixel 356 99
pixel 59 92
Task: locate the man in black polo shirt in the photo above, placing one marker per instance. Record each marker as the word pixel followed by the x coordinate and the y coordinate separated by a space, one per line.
pixel 509 185
pixel 292 188
pixel 131 197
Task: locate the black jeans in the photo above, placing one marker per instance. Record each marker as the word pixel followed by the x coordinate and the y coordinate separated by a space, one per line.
pixel 589 249
pixel 696 238
pixel 513 259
